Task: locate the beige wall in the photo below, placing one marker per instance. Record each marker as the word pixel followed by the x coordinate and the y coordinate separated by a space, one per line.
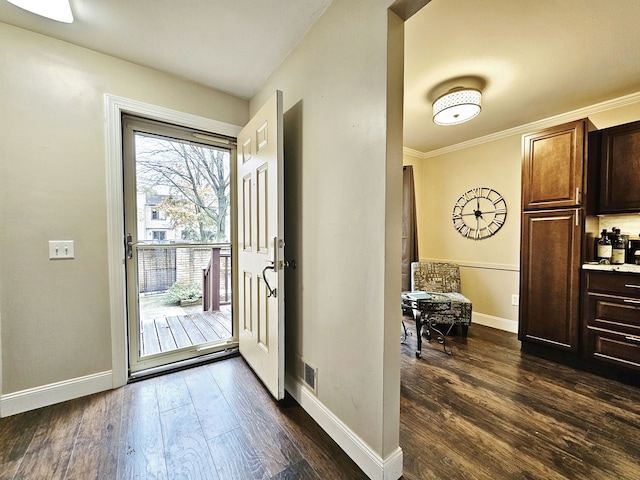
pixel 55 314
pixel 489 268
pixel 343 197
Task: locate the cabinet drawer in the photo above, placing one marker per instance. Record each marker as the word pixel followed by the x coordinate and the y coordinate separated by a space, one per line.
pixel 617 313
pixel 627 284
pixel 613 347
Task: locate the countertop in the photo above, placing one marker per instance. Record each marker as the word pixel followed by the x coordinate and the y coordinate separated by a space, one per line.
pixel 625 267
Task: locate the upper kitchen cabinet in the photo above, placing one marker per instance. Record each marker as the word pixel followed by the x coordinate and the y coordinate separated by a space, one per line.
pixel 553 166
pixel 620 169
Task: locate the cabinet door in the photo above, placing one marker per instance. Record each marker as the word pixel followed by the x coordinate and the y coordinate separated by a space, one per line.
pixel 550 278
pixel 620 170
pixel 552 170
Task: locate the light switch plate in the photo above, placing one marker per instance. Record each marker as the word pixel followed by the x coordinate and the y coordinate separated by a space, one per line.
pixel 61 249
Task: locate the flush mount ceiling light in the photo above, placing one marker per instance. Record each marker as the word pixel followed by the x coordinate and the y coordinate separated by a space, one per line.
pixel 58 10
pixel 456 106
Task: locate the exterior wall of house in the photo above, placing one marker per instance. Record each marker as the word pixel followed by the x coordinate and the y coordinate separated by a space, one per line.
pixel 343 177
pixel 55 314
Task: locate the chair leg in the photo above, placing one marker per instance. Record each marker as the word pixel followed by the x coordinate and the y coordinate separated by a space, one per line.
pixel 465 330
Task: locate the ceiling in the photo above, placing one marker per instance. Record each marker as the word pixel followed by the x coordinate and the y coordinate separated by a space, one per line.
pixel 533 58
pixel 230 45
pixel 537 59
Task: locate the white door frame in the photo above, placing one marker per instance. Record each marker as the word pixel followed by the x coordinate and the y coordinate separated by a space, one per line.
pixel 114 106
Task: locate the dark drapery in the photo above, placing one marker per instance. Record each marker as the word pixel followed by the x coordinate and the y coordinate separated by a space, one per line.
pixel 409 226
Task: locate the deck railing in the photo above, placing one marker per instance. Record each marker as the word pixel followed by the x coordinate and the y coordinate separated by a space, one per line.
pixel 216 280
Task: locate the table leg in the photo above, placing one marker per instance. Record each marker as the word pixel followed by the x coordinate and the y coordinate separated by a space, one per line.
pixel 417 315
pixel 442 337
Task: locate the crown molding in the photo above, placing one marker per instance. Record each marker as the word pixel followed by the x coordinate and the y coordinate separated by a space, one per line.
pixel 527 128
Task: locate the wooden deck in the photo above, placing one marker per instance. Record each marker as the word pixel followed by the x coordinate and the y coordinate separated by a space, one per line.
pixel 164 333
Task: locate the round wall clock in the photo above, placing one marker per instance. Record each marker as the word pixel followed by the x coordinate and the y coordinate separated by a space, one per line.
pixel 479 213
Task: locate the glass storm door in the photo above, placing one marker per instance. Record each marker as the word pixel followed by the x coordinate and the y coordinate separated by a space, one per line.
pixel 178 222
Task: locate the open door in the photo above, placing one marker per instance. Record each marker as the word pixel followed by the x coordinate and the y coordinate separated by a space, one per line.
pixel 260 174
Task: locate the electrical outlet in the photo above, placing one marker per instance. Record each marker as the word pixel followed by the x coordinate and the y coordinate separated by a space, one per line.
pixel 61 249
pixel 515 300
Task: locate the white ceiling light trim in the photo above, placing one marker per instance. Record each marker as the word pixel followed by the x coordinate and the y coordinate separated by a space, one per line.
pixel 457 106
pixel 58 10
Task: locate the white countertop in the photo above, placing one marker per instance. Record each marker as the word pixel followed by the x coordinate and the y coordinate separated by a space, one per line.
pixel 625 267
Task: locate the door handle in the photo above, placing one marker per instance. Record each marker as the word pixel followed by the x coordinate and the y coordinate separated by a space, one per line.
pixel 272 291
pixel 128 246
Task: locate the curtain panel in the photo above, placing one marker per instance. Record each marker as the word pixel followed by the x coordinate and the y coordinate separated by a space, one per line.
pixel 409 226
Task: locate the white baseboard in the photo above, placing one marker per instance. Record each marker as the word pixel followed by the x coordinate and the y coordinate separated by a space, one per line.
pixel 494 322
pixel 32 398
pixel 376 467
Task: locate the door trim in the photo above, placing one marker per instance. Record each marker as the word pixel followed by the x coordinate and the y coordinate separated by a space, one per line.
pixel 114 107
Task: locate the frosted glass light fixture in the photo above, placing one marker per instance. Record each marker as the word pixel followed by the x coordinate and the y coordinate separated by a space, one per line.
pixel 58 10
pixel 457 106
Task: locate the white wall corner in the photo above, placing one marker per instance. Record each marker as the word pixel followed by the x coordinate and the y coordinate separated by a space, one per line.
pixel 372 464
pixel 494 322
pixel 45 395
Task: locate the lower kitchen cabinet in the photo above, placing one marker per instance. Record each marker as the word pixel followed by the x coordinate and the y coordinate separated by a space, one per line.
pixel 612 318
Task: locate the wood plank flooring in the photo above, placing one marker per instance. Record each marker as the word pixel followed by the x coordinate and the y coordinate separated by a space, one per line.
pixel 487 412
pixel 214 421
pixel 493 412
pixel 164 333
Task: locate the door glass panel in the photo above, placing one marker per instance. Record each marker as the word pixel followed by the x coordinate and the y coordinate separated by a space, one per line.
pixel 173 311
pixel 183 191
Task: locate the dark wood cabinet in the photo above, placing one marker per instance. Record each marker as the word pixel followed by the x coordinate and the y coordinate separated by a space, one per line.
pixel 550 278
pixel 590 318
pixel 620 169
pixel 554 183
pixel 553 166
pixel 612 318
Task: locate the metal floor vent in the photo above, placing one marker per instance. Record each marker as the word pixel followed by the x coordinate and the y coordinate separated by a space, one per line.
pixel 310 374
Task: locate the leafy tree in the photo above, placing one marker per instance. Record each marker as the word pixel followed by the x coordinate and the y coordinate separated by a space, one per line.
pixel 197 179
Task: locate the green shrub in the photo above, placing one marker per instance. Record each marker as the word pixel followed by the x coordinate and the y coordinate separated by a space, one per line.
pixel 183 291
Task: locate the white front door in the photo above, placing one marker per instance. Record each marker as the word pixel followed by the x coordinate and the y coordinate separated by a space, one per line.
pixel 260 174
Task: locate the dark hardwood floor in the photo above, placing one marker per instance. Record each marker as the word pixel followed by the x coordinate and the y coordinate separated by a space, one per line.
pixel 487 412
pixel 215 421
pixel 490 411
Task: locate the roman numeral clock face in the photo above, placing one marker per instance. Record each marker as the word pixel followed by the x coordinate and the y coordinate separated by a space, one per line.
pixel 479 213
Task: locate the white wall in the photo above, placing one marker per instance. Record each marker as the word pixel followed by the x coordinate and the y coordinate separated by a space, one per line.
pixel 55 314
pixel 343 200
